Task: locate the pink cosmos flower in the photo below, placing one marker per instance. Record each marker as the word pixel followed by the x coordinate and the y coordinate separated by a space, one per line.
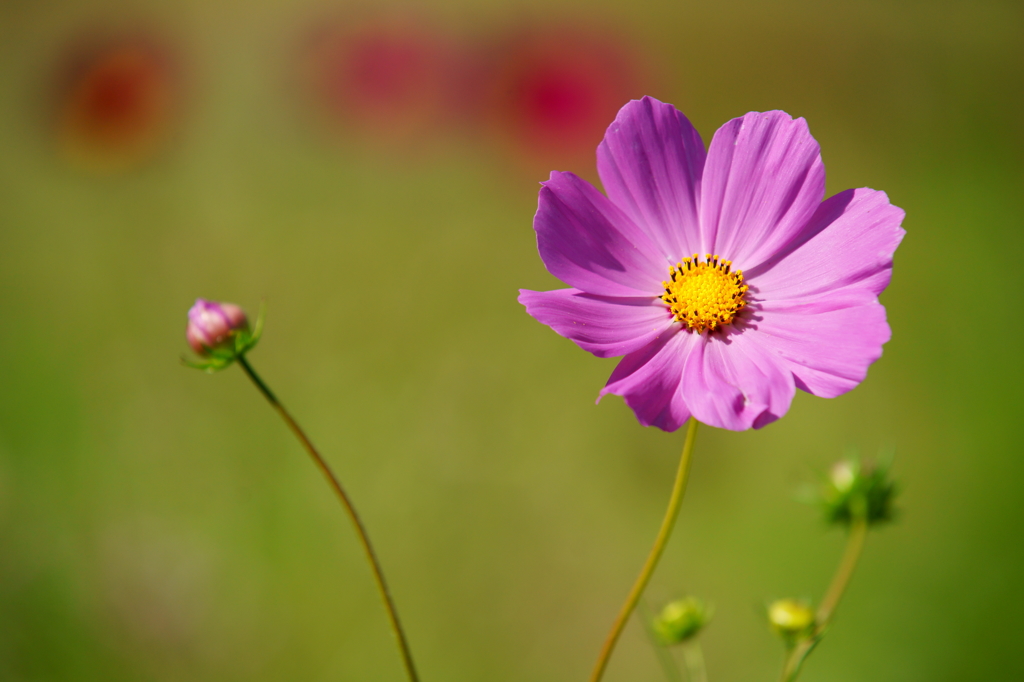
pixel 721 276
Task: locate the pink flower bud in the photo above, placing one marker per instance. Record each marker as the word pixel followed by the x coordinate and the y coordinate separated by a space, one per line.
pixel 213 325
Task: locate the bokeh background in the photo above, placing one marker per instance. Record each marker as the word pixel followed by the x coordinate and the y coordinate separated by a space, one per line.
pixel 372 172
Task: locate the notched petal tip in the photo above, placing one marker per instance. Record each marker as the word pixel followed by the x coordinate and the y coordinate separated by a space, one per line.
pixel 763 180
pixel 650 162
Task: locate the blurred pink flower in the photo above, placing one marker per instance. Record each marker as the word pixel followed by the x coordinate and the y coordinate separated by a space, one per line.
pixel 550 92
pixel 721 276
pixel 385 74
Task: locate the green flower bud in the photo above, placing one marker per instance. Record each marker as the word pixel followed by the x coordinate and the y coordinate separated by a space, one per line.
pixel 843 475
pixel 791 619
pixel 680 620
pixel 855 489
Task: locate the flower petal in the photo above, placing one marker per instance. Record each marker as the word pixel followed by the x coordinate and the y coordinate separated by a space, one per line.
pixel 589 244
pixel 849 241
pixel 763 180
pixel 650 163
pixel 732 382
pixel 605 326
pixel 649 380
pixel 827 342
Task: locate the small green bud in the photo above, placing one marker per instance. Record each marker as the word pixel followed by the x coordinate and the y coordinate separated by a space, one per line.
pixel 855 489
pixel 680 620
pixel 791 619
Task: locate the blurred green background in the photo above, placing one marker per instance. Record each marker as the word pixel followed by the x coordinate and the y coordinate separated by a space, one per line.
pixel 160 524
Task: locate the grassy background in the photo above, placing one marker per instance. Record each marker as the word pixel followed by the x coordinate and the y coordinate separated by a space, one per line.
pixel 159 524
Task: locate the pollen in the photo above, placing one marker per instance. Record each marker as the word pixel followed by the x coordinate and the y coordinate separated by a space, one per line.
pixel 704 294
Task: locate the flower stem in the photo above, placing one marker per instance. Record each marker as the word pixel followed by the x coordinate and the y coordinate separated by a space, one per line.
pixel 350 509
pixel 694 657
pixel 854 546
pixel 667 523
pixel 665 657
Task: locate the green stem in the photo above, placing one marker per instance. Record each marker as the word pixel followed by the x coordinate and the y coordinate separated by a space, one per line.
pixel 854 547
pixel 665 657
pixel 364 539
pixel 694 657
pixel 667 523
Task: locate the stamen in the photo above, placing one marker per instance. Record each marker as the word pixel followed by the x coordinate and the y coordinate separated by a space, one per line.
pixel 704 295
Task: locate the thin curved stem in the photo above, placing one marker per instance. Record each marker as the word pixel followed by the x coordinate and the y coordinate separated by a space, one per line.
pixel 667 523
pixel 364 538
pixel 854 548
pixel 851 555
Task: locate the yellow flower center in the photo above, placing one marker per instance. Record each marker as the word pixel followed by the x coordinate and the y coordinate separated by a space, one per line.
pixel 704 294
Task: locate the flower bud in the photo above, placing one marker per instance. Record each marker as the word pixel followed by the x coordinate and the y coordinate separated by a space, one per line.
pixel 680 620
pixel 855 489
pixel 213 326
pixel 843 475
pixel 791 619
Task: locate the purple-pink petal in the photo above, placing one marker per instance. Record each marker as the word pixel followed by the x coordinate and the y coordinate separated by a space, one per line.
pixel 649 380
pixel 763 180
pixel 849 241
pixel 732 382
pixel 605 326
pixel 827 342
pixel 650 163
pixel 588 243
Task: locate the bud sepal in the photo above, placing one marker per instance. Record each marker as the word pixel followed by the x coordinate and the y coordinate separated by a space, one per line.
pixel 855 489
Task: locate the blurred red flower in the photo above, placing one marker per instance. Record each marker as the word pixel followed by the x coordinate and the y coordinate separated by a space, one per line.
pixel 115 103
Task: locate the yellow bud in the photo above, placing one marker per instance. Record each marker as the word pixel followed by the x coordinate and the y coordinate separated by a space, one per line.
pixel 791 619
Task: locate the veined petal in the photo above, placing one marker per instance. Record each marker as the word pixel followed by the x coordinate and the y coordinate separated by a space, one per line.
pixel 734 383
pixel 649 380
pixel 650 163
pixel 591 245
pixel 763 180
pixel 849 241
pixel 605 326
pixel 828 341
